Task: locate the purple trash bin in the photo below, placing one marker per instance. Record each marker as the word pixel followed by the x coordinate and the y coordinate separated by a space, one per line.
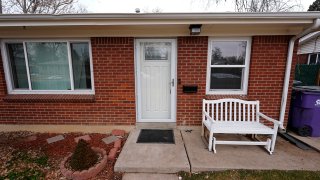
pixel 306 113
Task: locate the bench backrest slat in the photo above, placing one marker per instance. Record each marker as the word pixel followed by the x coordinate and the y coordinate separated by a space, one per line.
pixel 232 110
pixel 235 111
pixel 253 115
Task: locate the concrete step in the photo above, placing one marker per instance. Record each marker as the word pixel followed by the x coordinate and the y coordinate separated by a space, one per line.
pixel 149 176
pixel 156 126
pixel 152 157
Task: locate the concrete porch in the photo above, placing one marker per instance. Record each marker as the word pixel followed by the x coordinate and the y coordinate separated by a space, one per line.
pixel 190 154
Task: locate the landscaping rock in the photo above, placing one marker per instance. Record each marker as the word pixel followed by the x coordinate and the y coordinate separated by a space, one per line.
pixel 117 144
pixel 110 139
pixel 85 137
pixel 118 132
pixel 55 139
pixel 30 138
pixel 112 153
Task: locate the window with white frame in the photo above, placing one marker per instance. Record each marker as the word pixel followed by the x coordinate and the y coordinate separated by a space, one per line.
pixel 228 65
pixel 314 58
pixel 49 66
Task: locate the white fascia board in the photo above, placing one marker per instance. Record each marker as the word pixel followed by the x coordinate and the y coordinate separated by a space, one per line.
pixel 294 15
pixel 157 19
pixel 146 22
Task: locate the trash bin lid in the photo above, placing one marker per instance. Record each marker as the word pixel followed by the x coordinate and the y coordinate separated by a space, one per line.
pixel 308 88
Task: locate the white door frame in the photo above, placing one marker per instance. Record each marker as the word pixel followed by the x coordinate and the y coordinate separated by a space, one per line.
pixel 173 65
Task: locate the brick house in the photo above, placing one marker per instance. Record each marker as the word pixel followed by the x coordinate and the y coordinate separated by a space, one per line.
pixel 94 72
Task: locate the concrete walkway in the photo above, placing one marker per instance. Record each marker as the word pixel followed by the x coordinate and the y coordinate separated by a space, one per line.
pixel 285 157
pixel 190 154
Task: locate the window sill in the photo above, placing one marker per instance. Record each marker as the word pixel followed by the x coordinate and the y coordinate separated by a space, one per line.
pixel 238 93
pixel 47 98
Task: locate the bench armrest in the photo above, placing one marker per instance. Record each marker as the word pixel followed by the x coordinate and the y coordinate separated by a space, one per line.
pixel 269 118
pixel 208 116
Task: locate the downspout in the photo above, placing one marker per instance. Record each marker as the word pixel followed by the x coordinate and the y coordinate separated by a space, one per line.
pixel 316 25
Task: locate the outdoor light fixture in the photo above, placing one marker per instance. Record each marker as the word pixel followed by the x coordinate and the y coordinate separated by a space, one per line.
pixel 195 29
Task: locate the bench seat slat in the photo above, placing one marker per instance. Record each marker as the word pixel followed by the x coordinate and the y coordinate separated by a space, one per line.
pixel 239 127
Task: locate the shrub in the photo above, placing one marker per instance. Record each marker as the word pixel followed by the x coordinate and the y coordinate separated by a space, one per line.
pixel 83 157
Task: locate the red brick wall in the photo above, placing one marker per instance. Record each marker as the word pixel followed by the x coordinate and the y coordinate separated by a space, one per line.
pixel 191 70
pixel 267 67
pixel 302 59
pixel 113 63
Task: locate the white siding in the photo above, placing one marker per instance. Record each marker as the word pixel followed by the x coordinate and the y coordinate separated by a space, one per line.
pixel 311 46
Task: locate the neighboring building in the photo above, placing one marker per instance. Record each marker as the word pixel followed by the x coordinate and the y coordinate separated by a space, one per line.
pixel 97 71
pixel 309 49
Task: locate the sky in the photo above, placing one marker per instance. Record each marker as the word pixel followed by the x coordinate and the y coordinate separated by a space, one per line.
pixel 129 6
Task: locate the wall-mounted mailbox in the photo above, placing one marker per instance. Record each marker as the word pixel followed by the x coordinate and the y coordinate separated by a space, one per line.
pixel 190 88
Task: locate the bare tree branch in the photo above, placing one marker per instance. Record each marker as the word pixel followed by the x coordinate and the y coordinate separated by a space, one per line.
pixel 43 6
pixel 154 10
pixel 262 5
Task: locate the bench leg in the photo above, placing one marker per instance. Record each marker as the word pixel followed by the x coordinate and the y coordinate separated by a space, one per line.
pixel 273 143
pixel 254 136
pixel 268 146
pixel 210 141
pixel 202 130
pixel 214 145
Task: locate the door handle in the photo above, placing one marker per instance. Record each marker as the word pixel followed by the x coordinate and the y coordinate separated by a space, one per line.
pixel 172 82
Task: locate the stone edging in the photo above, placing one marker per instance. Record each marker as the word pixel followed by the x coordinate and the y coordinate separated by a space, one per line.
pixel 85 174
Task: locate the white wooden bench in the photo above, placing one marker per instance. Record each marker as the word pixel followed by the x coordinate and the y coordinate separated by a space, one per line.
pixel 235 116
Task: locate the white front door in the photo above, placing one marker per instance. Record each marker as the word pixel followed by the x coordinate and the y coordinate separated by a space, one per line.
pixel 156 86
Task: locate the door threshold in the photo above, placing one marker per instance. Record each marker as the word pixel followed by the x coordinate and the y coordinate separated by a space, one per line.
pixel 152 125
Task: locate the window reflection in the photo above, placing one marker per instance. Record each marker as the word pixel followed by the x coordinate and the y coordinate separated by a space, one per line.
pixel 157 50
pixel 228 53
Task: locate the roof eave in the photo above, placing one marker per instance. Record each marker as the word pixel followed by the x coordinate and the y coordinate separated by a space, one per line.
pixel 157 19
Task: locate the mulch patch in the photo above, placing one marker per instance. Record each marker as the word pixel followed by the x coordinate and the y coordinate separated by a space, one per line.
pixel 58 150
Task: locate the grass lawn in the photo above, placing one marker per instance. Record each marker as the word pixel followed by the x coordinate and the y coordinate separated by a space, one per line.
pixel 253 175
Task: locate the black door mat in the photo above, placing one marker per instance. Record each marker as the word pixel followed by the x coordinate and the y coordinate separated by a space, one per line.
pixel 156 136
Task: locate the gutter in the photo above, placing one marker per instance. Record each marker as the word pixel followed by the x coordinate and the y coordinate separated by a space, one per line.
pixel 309 37
pixel 221 15
pixel 314 27
pixel 303 19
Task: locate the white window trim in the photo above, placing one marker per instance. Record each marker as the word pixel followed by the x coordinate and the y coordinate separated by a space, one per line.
pixel 309 56
pixel 6 66
pixel 244 89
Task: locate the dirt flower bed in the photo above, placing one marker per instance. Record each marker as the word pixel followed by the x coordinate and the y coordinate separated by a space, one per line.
pixel 27 155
